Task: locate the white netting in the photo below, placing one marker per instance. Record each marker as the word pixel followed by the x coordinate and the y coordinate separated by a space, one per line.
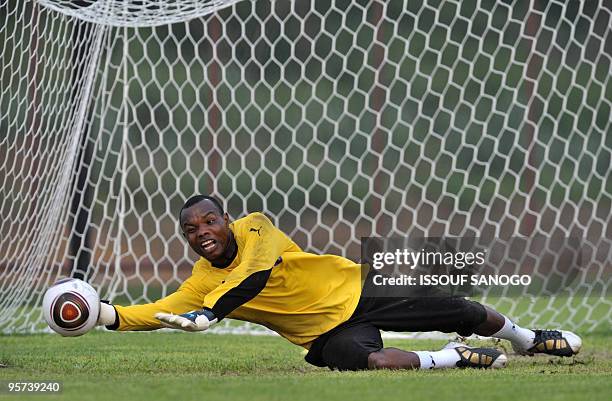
pixel 136 13
pixel 339 119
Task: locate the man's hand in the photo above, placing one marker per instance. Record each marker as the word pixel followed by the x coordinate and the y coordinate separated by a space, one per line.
pixel 198 320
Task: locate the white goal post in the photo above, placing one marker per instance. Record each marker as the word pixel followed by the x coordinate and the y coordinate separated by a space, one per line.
pixel 339 119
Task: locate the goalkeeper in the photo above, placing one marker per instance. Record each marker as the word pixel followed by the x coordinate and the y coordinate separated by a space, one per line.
pixel 250 270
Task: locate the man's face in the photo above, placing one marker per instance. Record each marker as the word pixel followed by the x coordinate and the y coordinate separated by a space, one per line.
pixel 206 230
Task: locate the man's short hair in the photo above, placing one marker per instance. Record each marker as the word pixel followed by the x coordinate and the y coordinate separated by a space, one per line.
pixel 199 198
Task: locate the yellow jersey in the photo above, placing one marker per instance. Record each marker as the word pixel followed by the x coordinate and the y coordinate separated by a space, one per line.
pixel 271 281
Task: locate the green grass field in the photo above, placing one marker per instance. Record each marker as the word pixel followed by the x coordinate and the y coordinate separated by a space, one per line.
pixel 184 366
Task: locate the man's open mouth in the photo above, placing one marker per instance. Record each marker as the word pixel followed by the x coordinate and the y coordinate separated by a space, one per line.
pixel 208 245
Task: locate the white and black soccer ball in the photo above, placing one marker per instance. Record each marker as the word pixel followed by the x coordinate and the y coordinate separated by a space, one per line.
pixel 71 307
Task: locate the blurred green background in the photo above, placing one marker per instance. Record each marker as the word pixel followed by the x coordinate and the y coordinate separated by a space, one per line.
pixel 350 103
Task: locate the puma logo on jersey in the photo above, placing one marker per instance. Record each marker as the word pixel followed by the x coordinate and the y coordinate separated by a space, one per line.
pixel 257 231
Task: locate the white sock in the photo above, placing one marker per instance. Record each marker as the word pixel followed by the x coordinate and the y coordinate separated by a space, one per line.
pixel 515 334
pixel 445 358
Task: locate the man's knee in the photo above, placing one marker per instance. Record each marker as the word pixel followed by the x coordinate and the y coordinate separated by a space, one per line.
pixel 473 315
pixel 349 348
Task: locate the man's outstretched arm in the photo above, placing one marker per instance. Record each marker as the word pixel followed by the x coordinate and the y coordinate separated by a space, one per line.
pixel 142 317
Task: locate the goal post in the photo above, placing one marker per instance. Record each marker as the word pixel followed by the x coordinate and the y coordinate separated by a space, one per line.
pixel 339 119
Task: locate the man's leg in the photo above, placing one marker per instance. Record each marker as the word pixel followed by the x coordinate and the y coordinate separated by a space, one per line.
pixel 498 326
pixel 465 317
pixel 360 347
pixel 455 356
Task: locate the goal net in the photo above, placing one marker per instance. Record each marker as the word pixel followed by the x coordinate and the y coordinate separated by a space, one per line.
pixel 338 119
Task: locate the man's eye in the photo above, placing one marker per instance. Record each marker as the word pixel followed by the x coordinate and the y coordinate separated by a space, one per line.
pixel 210 221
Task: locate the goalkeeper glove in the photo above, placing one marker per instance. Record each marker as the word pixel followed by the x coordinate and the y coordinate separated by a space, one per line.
pixel 198 320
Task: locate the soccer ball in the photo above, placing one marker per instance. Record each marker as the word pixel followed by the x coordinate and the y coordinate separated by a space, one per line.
pixel 71 307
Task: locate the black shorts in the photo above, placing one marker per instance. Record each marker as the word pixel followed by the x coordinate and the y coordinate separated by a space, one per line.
pixel 347 346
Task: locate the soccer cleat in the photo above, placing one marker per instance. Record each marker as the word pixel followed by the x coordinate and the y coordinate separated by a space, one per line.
pixel 478 357
pixel 552 342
